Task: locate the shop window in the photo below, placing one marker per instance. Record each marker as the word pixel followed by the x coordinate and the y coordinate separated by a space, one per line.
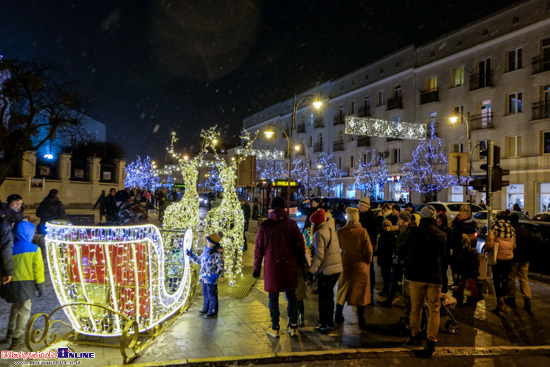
pixel 515 195
pixel 544 201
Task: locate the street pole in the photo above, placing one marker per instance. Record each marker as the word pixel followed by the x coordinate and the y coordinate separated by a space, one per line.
pixel 490 162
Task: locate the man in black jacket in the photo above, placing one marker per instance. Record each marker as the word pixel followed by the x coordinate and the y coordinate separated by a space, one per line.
pixel 423 251
pixel 51 208
pixel 6 251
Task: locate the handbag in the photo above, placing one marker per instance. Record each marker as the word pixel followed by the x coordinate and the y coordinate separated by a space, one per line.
pixel 492 256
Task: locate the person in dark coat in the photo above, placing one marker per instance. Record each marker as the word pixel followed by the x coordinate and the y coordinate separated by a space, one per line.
pixel 280 245
pixel 386 249
pixel 370 222
pixel 13 210
pixel 6 251
pixel 443 225
pixel 462 224
pixel 423 251
pixel 245 207
pixel 130 212
pixel 111 208
pixel 51 208
pixel 28 278
pixel 102 203
pixel 520 265
pixel 314 205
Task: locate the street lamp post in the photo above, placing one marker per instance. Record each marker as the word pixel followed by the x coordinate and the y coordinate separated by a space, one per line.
pixel 297 147
pixel 454 119
pixel 269 133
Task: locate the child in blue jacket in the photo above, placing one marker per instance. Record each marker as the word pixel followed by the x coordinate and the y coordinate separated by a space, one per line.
pixel 211 262
pixel 28 278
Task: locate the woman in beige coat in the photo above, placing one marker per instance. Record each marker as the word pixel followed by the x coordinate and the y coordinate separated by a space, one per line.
pixel 354 281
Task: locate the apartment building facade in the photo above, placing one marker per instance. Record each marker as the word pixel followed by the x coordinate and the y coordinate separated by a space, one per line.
pixel 494 72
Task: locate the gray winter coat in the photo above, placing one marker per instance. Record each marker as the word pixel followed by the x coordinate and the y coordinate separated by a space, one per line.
pixel 327 258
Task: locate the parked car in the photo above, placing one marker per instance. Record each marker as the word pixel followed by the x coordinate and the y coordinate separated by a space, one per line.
pixel 541 217
pixel 481 217
pixel 339 206
pixel 451 209
pixel 539 248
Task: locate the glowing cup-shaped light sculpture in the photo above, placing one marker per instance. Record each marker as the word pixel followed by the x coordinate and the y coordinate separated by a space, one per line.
pixel 138 272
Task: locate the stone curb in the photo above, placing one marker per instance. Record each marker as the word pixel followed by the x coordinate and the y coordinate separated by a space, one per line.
pixel 290 357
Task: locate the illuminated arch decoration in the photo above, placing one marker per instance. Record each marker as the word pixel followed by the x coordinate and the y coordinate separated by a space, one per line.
pixel 228 218
pixel 105 277
pixel 383 128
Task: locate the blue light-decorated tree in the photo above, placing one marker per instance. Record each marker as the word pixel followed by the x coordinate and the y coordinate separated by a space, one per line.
pixel 271 169
pixel 329 174
pixel 428 171
pixel 213 180
pixel 140 173
pixel 372 173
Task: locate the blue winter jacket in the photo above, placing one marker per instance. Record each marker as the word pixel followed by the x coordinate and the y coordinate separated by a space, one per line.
pixel 28 275
pixel 211 262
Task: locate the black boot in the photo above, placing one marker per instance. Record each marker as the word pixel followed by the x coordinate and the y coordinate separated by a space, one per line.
pixel 427 351
pixel 339 317
pixel 511 302
pixel 459 298
pixel 361 317
pixel 391 295
pixel 527 304
pixel 414 340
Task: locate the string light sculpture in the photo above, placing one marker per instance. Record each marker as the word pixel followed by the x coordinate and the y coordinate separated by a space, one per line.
pixel 428 172
pixel 184 214
pixel 383 128
pixel 228 218
pixel 125 270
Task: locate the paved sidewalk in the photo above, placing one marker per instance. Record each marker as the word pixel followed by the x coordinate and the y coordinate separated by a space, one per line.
pixel 239 333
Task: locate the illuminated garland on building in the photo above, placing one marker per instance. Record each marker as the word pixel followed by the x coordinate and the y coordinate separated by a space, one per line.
pixel 383 128
pixel 262 153
pixel 128 269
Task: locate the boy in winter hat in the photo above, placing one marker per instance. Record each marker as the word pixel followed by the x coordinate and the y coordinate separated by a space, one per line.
pixel 211 262
pixel 28 278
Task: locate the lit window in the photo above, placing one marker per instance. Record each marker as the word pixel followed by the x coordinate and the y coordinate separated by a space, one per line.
pixel 513 146
pixel 457 77
pixel 515 103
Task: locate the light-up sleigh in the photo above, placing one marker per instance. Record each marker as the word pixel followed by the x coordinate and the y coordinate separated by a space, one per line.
pixel 123 284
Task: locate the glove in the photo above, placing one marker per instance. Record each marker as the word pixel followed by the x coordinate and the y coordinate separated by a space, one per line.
pixel 256 274
pixel 309 277
pixel 212 278
pixel 189 252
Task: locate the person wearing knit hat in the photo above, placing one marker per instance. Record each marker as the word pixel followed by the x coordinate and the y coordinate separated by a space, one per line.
pixel 423 252
pixel 386 247
pixel 365 201
pixel 428 212
pixel 404 215
pixel 211 269
pixel 327 265
pixel 318 217
pixel 280 247
pixel 354 282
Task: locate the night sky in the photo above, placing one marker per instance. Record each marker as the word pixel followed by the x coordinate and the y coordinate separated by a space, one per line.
pixel 149 67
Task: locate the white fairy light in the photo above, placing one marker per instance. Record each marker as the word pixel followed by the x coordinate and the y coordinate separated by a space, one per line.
pixel 383 128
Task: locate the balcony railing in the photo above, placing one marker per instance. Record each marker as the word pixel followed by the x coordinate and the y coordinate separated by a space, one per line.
pixel 301 128
pixel 339 119
pixel 338 145
pixel 319 122
pixel 363 141
pixel 363 112
pixel 541 110
pixel 430 95
pixel 317 147
pixel 478 81
pixel 482 121
pixel 540 64
pixel 395 102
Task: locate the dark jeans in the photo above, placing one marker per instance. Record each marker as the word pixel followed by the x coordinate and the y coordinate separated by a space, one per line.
pixel 501 271
pixel 326 298
pixel 385 268
pixel 292 308
pixel 210 298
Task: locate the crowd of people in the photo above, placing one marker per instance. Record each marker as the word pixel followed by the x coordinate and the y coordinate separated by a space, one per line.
pixel 414 252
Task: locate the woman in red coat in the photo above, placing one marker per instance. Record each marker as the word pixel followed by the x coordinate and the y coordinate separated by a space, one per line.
pixel 280 245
